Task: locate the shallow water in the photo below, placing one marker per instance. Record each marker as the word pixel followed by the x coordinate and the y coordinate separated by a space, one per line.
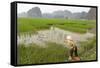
pixel 53 34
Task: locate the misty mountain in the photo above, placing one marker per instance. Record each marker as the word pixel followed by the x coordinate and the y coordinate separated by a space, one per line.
pixel 47 15
pixel 66 14
pixel 58 14
pixel 34 12
pixel 83 15
pixel 91 14
pixel 79 15
pixel 62 14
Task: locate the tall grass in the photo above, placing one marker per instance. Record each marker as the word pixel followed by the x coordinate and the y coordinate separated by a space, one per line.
pixel 87 50
pixel 34 54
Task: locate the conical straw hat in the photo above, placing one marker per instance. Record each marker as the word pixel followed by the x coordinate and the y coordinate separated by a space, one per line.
pixel 68 37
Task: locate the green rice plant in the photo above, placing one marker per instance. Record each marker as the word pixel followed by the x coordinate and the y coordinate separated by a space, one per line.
pixel 35 24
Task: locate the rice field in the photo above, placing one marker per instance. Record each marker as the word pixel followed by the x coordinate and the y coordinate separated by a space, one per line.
pixel 35 24
pixel 54 52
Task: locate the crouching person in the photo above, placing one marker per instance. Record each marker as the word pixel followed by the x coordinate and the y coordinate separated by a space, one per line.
pixel 73 55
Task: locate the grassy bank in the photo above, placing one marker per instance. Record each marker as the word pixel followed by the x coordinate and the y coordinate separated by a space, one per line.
pixel 34 54
pixel 87 50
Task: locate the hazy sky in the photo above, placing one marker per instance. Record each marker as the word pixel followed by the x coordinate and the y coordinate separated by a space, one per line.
pixel 49 8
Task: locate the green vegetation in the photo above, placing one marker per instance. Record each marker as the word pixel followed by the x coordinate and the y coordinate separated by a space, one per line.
pixel 34 24
pixel 34 54
pixel 87 50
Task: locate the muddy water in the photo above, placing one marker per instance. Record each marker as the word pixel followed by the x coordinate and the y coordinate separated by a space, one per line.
pixel 53 34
